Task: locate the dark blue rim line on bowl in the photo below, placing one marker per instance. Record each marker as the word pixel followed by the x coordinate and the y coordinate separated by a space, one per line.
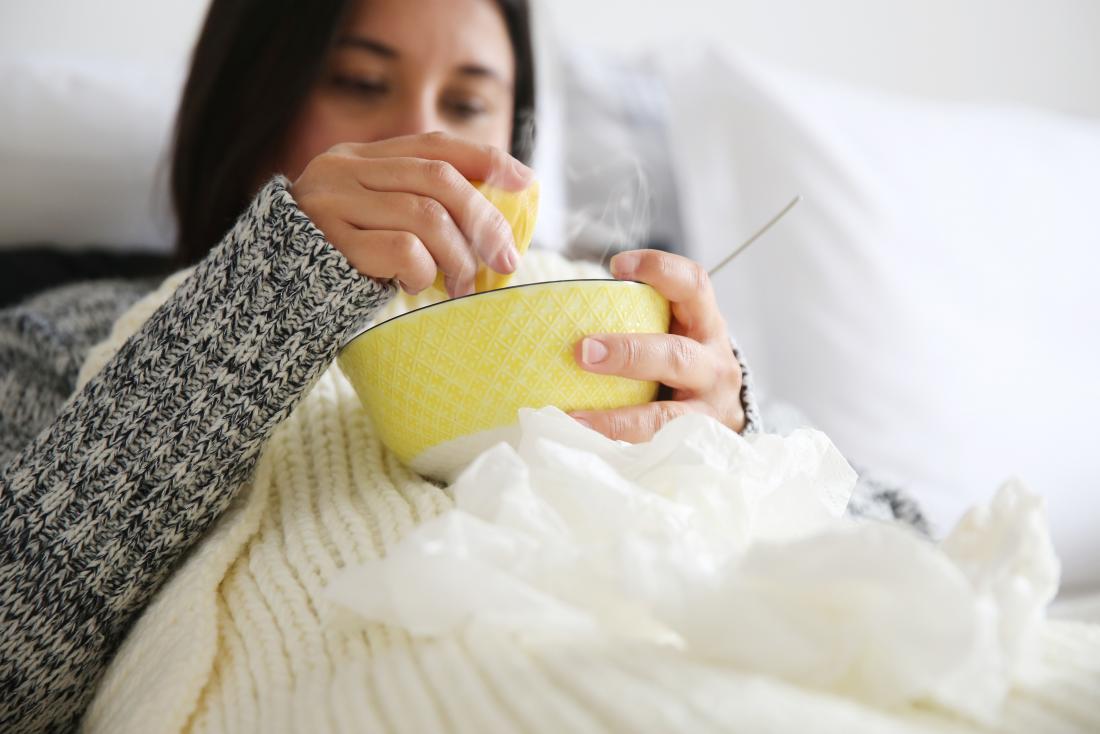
pixel 364 329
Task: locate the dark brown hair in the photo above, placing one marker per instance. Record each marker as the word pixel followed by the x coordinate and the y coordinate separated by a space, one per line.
pixel 253 66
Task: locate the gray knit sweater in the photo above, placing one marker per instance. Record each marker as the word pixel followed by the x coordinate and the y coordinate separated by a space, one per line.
pixel 102 492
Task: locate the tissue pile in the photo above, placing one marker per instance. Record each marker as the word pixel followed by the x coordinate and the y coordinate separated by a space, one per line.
pixel 725 551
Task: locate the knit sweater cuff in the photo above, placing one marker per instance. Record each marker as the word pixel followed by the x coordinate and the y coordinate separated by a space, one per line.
pixel 753 421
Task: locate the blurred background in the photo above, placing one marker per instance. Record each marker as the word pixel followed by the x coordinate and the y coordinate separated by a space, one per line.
pixel 931 304
pixel 59 55
pixel 1024 51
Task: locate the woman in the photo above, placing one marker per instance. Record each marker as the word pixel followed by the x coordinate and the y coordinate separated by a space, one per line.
pixel 380 112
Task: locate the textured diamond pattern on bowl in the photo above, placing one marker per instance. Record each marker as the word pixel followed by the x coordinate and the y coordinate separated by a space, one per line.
pixel 468 365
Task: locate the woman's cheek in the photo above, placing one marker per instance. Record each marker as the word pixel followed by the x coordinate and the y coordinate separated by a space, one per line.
pixel 325 121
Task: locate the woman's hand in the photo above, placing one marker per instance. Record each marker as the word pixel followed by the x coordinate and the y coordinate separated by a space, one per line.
pixel 404 207
pixel 695 360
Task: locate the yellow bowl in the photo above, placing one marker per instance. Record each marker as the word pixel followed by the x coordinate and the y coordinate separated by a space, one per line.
pixel 444 382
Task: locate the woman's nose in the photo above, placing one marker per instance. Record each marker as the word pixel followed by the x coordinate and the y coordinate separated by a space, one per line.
pixel 416 117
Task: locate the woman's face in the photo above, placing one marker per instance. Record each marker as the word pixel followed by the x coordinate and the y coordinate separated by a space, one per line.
pixel 402 67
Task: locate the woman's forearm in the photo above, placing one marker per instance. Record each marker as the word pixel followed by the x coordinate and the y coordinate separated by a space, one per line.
pixel 98 508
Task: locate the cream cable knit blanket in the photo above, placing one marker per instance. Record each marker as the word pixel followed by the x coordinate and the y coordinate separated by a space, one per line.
pixel 238 639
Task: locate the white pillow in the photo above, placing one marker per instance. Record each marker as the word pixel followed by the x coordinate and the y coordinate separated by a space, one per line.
pixel 933 303
pixel 83 147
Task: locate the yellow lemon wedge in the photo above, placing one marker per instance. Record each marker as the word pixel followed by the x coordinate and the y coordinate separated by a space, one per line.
pixel 520 210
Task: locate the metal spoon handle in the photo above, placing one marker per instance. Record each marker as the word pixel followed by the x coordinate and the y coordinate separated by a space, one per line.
pixel 744 246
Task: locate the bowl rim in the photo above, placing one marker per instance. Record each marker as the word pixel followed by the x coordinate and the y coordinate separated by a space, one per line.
pixel 360 331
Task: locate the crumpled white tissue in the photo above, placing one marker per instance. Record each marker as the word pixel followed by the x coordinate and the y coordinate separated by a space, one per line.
pixel 732 549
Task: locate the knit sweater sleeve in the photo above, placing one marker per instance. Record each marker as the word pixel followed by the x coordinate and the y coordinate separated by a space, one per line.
pixel 137 465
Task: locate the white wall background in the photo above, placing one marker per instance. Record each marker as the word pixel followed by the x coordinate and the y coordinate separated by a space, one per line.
pixel 1035 52
pixel 157 32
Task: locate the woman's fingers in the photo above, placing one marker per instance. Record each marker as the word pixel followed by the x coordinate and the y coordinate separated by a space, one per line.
pixel 695 359
pixel 425 218
pixel 475 161
pixel 419 185
pixel 385 255
pixel 638 423
pixel 482 224
pixel 683 282
pixel 676 361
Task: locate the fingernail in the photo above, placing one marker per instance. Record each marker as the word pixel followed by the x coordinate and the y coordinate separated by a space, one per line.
pixel 511 259
pixel 593 351
pixel 523 172
pixel 624 264
pixel 580 420
pixel 457 289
